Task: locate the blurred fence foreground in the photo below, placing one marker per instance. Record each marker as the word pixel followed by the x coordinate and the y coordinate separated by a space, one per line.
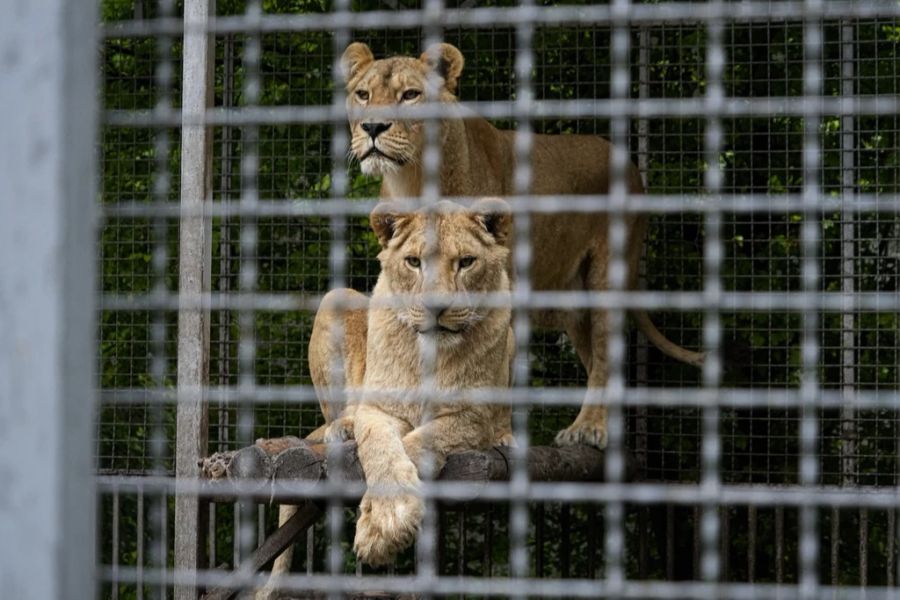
pixel 48 169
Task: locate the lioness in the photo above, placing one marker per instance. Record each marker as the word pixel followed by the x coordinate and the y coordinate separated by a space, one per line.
pixel 448 250
pixel 570 251
pixel 460 254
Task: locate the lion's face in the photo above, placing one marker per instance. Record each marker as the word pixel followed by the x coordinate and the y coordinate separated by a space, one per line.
pixel 385 145
pixel 441 262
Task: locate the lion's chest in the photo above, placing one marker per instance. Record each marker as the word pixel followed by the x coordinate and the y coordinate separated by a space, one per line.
pixel 413 391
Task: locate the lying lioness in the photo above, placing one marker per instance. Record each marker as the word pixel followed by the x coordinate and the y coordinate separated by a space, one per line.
pixel 460 255
pixel 569 250
pixel 356 351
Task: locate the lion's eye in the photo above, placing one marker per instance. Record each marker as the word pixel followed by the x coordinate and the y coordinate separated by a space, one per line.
pixel 411 94
pixel 413 261
pixel 362 95
pixel 466 261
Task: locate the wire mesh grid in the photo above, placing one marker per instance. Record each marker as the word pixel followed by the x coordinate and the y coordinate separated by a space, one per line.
pixel 766 134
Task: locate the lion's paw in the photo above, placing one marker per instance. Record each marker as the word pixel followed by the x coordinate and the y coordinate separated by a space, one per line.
pixel 386 526
pixel 507 441
pixel 216 465
pixel 339 430
pixel 590 434
pixel 274 446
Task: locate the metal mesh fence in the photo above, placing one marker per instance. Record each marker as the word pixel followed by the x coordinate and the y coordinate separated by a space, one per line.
pixel 766 134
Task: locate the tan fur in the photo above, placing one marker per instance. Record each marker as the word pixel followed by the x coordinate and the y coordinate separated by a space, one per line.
pixel 570 250
pixel 394 438
pixel 472 344
pixel 337 361
pixel 337 357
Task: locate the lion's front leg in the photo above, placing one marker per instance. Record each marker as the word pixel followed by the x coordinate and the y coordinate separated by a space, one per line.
pixel 467 429
pixel 392 507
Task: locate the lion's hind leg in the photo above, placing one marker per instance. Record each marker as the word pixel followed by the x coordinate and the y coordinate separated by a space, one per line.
pixel 337 357
pixel 501 415
pixel 588 331
pixel 282 564
pixel 336 360
pixel 506 439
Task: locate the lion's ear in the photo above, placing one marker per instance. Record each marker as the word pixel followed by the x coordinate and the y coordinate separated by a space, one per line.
pixel 385 220
pixel 495 216
pixel 356 57
pixel 447 61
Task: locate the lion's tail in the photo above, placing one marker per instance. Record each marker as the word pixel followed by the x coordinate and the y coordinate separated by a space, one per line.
pixel 668 347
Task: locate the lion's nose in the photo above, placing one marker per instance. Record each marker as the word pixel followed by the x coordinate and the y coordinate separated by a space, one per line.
pixel 375 129
pixel 436 309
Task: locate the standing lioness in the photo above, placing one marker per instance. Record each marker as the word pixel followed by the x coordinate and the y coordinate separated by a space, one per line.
pixel 569 250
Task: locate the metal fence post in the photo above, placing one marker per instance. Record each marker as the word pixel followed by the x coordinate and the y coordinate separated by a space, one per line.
pixel 849 469
pixel 47 387
pixel 194 280
pixel 641 355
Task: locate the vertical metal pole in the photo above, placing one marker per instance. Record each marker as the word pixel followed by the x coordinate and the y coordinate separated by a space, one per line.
pixel 249 265
pixel 161 185
pixel 225 239
pixel 194 280
pixel 835 545
pixel 810 242
pixel 670 542
pixel 47 322
pixel 848 267
pixel 779 544
pixel 115 545
pixel 139 535
pixel 522 288
pixel 751 543
pixel 224 280
pixel 848 285
pixel 642 353
pixel 710 484
pixel 620 90
pixel 337 263
pixel 432 157
pixel 891 545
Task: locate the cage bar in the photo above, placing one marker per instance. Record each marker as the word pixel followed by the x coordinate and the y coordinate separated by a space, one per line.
pixel 195 265
pixel 47 372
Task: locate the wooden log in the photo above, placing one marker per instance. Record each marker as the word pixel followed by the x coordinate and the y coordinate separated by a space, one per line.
pixel 251 471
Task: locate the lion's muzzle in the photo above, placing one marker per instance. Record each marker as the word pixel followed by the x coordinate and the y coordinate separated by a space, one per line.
pixel 375 129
